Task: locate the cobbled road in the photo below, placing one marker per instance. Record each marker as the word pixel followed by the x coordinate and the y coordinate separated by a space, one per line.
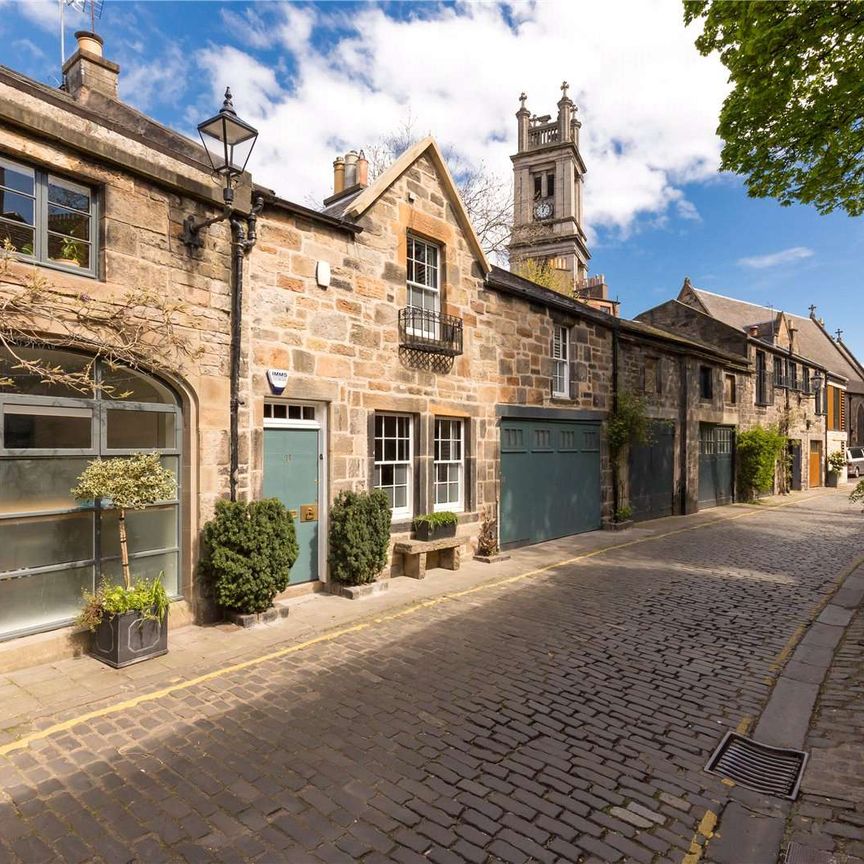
pixel 563 718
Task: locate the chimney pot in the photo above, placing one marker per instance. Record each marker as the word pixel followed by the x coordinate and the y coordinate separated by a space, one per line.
pixel 89 42
pixel 351 169
pixel 338 174
pixel 362 170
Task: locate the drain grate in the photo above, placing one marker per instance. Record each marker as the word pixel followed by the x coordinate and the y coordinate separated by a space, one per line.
pixel 770 770
pixel 798 854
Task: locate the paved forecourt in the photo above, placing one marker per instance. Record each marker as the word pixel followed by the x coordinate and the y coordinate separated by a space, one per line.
pixel 565 717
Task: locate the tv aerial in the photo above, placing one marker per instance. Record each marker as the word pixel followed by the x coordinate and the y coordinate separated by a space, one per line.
pixel 95 9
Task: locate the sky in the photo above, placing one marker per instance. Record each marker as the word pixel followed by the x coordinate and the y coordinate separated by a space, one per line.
pixel 318 79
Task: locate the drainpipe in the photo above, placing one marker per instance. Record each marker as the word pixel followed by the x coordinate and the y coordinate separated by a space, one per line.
pixel 684 467
pixel 615 501
pixel 244 235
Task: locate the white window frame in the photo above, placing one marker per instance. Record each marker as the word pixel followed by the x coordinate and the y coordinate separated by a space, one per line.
pixel 561 361
pixel 398 513
pixel 457 505
pixel 424 289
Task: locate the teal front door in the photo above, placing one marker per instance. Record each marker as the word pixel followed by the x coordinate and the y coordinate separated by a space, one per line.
pixel 291 475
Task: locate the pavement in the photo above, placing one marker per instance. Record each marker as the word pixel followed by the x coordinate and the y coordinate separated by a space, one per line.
pixel 559 706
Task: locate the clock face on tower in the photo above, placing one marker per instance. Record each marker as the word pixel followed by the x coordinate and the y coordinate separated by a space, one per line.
pixel 543 210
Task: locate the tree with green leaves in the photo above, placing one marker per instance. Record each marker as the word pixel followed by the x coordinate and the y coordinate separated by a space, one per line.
pixel 130 483
pixel 793 124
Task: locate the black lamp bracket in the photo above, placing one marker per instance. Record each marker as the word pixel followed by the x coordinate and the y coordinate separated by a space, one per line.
pixel 192 228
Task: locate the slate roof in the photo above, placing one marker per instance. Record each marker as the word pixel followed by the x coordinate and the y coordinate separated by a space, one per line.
pixel 518 286
pixel 812 339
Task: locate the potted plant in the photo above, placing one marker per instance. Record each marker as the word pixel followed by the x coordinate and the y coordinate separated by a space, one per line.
pixel 488 550
pixel 128 621
pixel 70 253
pixel 249 548
pixel 435 526
pixel 836 464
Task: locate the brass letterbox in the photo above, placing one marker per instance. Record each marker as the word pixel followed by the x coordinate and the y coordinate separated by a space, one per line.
pixel 308 512
pixel 293 514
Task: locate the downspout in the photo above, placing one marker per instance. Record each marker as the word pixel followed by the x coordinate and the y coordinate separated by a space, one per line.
pixel 244 235
pixel 684 468
pixel 614 459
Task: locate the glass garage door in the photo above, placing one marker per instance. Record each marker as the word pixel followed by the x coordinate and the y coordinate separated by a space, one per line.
pixel 51 546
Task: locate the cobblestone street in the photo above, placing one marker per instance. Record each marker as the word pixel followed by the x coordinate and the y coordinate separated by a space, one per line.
pixel 566 717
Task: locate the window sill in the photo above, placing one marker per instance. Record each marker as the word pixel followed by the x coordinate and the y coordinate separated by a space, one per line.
pixel 58 268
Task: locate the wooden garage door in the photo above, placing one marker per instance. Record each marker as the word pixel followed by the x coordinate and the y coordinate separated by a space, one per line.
pixel 550 480
pixel 716 465
pixel 652 469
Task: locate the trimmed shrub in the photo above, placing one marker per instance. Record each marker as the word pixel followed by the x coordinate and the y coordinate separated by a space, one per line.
pixel 756 453
pixel 249 548
pixel 359 536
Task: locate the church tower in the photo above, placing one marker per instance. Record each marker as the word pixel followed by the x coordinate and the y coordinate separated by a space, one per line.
pixel 548 174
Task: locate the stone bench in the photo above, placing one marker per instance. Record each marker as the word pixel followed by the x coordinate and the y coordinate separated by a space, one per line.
pixel 414 554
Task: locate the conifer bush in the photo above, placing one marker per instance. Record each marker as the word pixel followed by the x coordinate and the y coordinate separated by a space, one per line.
pixel 249 548
pixel 359 536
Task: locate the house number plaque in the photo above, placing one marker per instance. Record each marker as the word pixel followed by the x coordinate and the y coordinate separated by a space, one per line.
pixel 308 512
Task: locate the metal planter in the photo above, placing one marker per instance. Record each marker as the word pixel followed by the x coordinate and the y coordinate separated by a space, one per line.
pixel 425 531
pixel 130 638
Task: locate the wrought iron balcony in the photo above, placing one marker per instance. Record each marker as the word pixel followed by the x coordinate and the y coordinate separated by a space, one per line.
pixel 431 332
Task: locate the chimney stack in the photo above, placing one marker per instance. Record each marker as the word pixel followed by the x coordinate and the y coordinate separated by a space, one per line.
pixel 88 71
pixel 350 173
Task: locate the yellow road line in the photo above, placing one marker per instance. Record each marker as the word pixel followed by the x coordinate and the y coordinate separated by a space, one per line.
pixel 115 708
pixel 744 724
pixel 701 836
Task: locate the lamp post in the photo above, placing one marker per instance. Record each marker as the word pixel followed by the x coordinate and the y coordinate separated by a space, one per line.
pixel 228 142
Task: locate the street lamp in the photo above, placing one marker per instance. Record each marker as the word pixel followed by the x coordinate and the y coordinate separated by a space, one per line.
pixel 817 381
pixel 228 142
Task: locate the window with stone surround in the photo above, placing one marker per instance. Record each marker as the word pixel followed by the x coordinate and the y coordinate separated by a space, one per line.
pixel 424 285
pixel 449 467
pixel 47 219
pixel 561 361
pixel 394 453
pixel 730 390
pixel 651 375
pixel 706 383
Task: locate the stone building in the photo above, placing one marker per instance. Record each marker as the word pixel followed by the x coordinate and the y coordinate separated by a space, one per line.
pixel 93 198
pixel 375 344
pixel 799 377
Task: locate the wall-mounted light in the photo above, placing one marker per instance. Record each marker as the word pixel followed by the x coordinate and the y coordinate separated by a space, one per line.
pixel 228 142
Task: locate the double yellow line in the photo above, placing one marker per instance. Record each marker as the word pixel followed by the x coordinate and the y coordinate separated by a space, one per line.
pixel 64 726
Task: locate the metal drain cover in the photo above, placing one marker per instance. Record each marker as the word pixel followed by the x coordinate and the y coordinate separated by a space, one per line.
pixel 798 854
pixel 770 770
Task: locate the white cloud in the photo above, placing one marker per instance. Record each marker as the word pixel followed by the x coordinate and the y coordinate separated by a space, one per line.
pixel 155 80
pixel 648 101
pixel 775 259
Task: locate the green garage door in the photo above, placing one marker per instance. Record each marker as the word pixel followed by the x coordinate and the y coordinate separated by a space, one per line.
pixel 550 480
pixel 652 468
pixel 716 465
